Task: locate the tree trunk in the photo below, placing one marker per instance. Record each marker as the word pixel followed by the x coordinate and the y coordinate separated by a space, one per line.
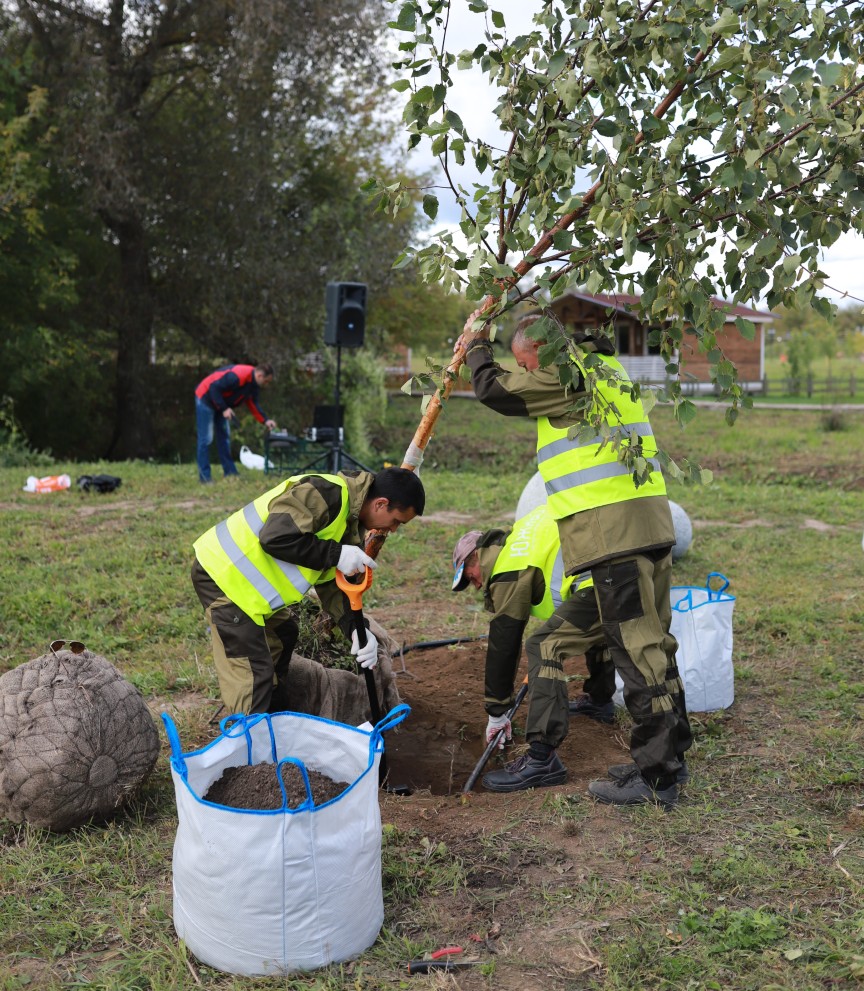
pixel 133 429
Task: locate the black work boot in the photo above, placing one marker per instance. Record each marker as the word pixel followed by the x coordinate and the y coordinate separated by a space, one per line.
pixel 634 790
pixel 526 772
pixel 584 705
pixel 621 772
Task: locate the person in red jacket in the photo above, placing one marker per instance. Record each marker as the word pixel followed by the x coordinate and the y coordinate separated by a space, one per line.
pixel 216 397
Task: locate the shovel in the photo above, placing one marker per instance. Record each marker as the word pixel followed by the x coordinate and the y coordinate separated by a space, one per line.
pixel 493 743
pixel 354 591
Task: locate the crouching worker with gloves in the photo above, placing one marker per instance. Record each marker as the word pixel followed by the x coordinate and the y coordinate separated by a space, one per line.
pixel 521 574
pixel 251 567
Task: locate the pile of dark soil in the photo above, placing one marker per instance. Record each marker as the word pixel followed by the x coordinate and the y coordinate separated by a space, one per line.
pixel 254 786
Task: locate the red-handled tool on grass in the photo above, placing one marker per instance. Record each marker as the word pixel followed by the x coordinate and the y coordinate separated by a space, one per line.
pixel 493 743
pixel 354 591
pixel 440 960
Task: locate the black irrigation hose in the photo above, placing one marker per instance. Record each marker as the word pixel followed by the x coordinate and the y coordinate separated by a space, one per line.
pixel 441 643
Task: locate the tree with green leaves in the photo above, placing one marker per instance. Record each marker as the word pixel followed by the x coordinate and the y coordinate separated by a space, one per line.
pixel 35 272
pixel 213 147
pixel 675 148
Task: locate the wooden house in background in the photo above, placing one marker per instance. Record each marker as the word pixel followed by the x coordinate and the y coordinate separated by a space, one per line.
pixel 585 312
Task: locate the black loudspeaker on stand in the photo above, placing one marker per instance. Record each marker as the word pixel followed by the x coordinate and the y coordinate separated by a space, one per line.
pixel 344 327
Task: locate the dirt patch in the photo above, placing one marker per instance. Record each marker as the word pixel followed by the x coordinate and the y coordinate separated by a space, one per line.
pixel 438 745
pixel 256 786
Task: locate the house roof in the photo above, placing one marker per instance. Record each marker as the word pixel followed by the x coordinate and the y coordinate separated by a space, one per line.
pixel 624 302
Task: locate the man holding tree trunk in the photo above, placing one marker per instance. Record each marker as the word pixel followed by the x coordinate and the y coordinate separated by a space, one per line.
pixel 621 533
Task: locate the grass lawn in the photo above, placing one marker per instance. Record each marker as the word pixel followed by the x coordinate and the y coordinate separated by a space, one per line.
pixel 753 882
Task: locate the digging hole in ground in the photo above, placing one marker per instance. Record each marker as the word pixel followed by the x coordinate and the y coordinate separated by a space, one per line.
pixel 437 747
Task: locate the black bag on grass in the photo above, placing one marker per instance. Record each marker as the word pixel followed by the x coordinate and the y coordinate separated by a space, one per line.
pixel 99 483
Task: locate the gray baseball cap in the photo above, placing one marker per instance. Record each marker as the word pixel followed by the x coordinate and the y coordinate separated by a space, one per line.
pixel 465 547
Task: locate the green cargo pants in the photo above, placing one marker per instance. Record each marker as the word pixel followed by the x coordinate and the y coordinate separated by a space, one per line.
pixel 633 596
pixel 629 610
pixel 251 660
pixel 574 628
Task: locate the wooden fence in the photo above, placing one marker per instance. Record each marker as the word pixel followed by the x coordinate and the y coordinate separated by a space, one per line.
pixel 808 385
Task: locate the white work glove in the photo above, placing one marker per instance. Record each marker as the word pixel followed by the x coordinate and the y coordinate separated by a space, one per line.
pixel 367 657
pixel 353 560
pixel 495 724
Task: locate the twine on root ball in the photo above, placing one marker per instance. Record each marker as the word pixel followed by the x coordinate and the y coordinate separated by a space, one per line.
pixel 76 739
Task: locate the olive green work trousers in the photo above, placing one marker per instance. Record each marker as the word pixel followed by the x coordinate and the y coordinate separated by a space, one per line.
pixel 631 611
pixel 251 661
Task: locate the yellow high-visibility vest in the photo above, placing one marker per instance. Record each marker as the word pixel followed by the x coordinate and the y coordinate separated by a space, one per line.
pixel 259 584
pixel 534 543
pixel 579 475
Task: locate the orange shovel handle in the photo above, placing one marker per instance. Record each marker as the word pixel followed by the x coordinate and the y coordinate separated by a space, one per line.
pixel 354 590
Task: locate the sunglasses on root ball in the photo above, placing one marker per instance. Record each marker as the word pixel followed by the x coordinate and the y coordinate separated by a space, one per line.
pixel 74 645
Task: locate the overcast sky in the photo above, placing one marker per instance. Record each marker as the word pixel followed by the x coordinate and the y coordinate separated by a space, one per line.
pixel 473 99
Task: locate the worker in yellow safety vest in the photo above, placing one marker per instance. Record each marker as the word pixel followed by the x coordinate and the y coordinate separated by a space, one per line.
pixel 250 568
pixel 520 571
pixel 620 532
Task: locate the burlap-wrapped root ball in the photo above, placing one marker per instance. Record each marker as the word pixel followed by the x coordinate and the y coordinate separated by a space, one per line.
pixel 76 740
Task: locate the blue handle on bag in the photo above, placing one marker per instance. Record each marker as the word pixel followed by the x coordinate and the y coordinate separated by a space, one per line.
pixel 716 593
pixel 176 749
pixel 395 716
pixel 309 803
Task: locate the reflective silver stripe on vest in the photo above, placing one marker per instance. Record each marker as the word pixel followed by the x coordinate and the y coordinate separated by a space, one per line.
pixel 252 517
pixel 596 473
pixel 563 444
pixel 290 571
pixel 242 563
pixel 271 595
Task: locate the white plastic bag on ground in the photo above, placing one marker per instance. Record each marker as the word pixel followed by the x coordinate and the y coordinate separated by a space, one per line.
pixel 48 483
pixel 273 891
pixel 702 625
pixel 249 459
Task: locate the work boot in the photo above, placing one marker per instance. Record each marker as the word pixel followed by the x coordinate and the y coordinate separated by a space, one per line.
pixel 634 790
pixel 621 772
pixel 600 712
pixel 526 772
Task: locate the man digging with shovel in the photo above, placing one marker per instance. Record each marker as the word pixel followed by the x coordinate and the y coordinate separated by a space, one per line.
pixel 252 566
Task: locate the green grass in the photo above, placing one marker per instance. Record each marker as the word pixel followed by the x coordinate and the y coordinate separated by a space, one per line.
pixel 754 882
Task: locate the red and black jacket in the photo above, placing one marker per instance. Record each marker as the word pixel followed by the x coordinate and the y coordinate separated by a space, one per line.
pixel 229 387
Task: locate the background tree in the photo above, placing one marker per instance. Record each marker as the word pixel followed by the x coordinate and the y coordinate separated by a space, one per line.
pixel 209 146
pixel 673 148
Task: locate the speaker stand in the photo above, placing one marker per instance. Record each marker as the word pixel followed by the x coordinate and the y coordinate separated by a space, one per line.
pixel 334 457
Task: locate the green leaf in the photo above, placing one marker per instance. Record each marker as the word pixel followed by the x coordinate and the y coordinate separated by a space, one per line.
pixel 401 85
pixel 829 72
pixel 746 328
pixel 726 24
pixel 731 57
pixel 454 121
pixel 556 64
pixel 498 19
pixel 430 206
pixel 407 18
pixel 403 261
pixel 685 411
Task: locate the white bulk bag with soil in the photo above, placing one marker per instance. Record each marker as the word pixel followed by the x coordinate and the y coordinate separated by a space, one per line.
pixel 272 891
pixel 76 740
pixel 702 625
